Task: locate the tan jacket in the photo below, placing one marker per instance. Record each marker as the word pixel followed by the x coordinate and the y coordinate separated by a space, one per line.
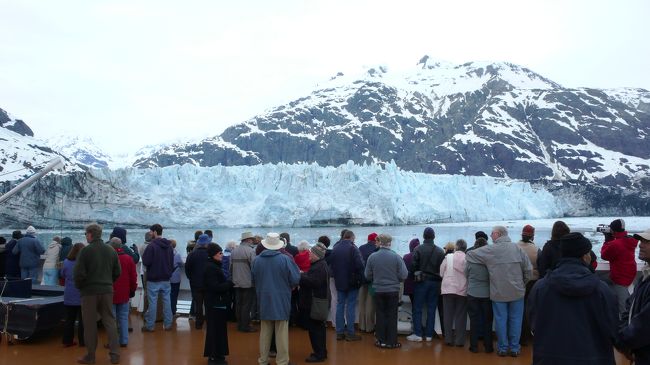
pixel 531 250
pixel 241 261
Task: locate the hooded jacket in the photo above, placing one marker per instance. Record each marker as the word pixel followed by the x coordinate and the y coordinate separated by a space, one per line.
pixel 620 254
pixel 408 261
pixel 158 258
pixel 274 276
pixel 573 315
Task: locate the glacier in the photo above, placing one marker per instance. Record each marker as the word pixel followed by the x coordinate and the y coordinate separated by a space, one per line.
pixel 269 195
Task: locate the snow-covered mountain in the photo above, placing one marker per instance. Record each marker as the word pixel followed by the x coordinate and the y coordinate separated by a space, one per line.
pixel 21 154
pixel 478 118
pixel 82 149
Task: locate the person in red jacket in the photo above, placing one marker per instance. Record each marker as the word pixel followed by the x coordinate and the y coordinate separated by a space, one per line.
pixel 123 289
pixel 302 258
pixel 619 251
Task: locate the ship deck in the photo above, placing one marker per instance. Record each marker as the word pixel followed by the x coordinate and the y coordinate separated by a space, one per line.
pixel 184 345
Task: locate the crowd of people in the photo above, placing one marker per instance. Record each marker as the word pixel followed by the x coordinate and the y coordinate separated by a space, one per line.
pixel 550 296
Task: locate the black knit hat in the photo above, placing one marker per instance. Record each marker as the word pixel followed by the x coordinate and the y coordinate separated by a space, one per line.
pixel 429 233
pixel 480 234
pixel 574 245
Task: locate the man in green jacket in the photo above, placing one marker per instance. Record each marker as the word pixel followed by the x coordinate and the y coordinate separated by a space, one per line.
pixel 96 270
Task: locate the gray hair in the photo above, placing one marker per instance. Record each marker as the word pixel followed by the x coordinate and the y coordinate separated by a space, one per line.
pixel 503 231
pixel 116 240
pixel 384 240
pixel 231 245
pixel 303 246
pixel 461 245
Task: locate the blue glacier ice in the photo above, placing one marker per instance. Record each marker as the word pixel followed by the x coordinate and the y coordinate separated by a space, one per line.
pixel 302 195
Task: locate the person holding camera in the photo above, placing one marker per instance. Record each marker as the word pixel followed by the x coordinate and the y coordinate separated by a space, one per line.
pixel 619 251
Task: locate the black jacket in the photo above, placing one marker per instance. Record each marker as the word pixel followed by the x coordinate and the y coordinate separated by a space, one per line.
pixel 195 266
pixel 549 257
pixel 12 267
pixel 573 315
pixel 427 258
pixel 217 288
pixel 635 333
pixel 313 282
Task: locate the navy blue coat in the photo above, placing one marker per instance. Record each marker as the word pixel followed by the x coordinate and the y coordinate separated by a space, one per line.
pixel 30 250
pixel 573 315
pixel 12 261
pixel 346 265
pixel 367 250
pixel 195 266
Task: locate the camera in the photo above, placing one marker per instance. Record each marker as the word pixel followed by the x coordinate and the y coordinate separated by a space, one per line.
pixel 603 228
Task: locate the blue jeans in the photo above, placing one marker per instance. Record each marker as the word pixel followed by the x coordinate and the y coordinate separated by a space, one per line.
pixel 344 298
pixel 50 277
pixel 31 272
pixel 425 292
pixel 153 288
pixel 507 324
pixel 121 313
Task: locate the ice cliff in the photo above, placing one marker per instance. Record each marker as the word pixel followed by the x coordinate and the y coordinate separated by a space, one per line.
pixel 274 195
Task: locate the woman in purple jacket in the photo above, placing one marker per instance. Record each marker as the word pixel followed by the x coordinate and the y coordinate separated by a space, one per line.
pixel 71 299
pixel 408 260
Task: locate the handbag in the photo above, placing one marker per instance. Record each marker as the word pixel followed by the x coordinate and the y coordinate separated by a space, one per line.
pixel 320 307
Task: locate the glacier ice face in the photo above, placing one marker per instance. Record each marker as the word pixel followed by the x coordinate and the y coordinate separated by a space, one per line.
pixel 275 195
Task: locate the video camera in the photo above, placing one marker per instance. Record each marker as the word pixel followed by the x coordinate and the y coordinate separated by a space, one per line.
pixel 604 228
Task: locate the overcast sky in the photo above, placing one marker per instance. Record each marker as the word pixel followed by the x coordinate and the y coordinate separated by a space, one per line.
pixel 131 73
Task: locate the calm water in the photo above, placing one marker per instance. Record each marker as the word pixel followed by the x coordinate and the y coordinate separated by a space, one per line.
pixel 401 234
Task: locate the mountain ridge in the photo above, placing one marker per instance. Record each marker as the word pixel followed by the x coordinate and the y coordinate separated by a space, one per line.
pixel 478 118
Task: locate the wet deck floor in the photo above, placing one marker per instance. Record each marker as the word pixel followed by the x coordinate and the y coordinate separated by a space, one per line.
pixel 185 346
